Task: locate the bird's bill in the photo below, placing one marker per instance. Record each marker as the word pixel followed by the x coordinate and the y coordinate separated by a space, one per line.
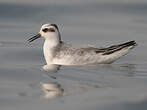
pixel 34 38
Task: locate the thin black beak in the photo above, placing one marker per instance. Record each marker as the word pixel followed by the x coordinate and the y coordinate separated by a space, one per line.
pixel 34 38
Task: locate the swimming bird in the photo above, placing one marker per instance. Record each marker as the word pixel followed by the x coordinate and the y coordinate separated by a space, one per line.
pixel 60 53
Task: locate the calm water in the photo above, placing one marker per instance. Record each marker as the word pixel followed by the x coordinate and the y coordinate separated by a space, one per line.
pixel 24 85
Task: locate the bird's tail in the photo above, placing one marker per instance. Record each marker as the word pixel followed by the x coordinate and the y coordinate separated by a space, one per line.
pixel 115 48
pixel 130 43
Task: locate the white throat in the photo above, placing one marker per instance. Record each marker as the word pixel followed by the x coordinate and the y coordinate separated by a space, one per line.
pixel 49 48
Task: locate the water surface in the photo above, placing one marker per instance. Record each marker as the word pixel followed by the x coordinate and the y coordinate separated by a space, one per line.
pixel 23 83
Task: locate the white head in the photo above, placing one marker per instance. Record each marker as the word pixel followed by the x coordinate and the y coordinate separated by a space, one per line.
pixel 49 32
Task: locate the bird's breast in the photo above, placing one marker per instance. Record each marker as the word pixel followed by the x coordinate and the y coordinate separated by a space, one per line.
pixel 48 53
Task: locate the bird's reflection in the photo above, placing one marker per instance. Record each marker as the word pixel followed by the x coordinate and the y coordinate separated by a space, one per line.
pixel 51 68
pixel 52 90
pixel 127 69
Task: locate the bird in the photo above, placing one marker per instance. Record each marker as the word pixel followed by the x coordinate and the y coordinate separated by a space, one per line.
pixel 58 52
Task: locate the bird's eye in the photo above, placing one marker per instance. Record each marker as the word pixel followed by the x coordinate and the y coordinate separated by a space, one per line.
pixel 48 30
pixel 45 30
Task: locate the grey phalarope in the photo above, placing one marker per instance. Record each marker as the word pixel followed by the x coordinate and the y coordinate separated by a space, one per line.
pixel 59 53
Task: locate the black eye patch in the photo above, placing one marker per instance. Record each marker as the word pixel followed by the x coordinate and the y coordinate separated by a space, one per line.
pixel 51 30
pixel 45 30
pixel 48 30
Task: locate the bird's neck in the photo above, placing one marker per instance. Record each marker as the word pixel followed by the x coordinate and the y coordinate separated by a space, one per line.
pixel 49 49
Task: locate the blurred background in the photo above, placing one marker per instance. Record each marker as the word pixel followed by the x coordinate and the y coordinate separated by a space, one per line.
pixel 121 86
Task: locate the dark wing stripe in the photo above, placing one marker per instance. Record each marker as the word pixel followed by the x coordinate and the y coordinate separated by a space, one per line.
pixel 115 48
pixel 129 43
pixel 112 51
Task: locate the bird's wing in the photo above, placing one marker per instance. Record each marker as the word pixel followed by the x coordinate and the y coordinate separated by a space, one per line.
pixel 115 48
pixel 66 49
pixel 112 49
pixel 86 55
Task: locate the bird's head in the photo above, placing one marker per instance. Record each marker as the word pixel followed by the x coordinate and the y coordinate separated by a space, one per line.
pixel 49 32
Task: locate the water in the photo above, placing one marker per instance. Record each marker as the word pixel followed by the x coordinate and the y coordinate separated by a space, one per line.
pixel 24 85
